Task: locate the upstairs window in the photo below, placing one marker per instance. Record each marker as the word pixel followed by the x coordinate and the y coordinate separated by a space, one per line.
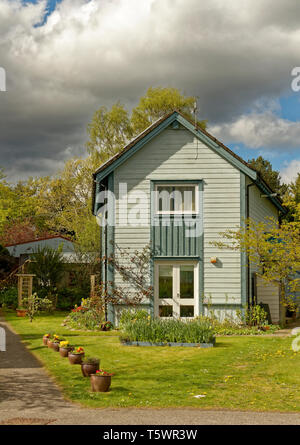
pixel 176 199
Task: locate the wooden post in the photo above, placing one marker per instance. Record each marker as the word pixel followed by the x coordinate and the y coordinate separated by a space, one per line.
pixel 93 284
pixel 20 286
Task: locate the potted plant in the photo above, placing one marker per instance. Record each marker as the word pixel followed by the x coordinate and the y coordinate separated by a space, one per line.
pixel 65 348
pixel 75 357
pixel 21 312
pixel 89 366
pixel 46 338
pixel 101 381
pixel 107 326
pixel 54 342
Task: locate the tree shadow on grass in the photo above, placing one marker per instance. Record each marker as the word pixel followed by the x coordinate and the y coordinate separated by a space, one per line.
pixel 220 344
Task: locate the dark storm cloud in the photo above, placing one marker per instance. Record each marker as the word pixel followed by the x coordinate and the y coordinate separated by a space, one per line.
pixel 228 54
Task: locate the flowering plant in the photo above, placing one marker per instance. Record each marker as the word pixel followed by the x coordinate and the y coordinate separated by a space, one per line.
pixel 47 335
pixel 64 344
pixel 55 337
pixel 79 350
pixel 104 373
pixel 79 309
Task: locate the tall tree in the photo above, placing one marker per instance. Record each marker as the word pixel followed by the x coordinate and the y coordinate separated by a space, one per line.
pixel 272 177
pixel 108 132
pixel 272 249
pixel 157 102
pixel 291 200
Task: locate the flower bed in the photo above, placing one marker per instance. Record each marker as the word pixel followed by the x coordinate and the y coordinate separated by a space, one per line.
pixel 158 331
pixel 90 315
pixel 148 343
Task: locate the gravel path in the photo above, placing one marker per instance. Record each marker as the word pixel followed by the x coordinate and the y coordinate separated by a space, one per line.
pixel 29 395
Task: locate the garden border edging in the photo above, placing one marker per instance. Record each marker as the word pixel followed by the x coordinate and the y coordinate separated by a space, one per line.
pixel 171 344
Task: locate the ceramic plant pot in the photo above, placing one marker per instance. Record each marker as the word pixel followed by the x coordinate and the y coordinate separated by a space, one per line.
pixel 64 352
pixel 100 383
pixel 45 340
pixel 55 345
pixel 88 369
pixel 21 312
pixel 75 359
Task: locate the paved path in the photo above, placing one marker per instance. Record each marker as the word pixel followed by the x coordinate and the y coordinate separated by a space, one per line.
pixel 29 395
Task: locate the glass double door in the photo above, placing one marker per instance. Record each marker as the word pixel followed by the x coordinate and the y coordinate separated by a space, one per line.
pixel 176 289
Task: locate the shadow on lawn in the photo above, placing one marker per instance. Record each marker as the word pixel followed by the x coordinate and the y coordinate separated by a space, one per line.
pixel 220 344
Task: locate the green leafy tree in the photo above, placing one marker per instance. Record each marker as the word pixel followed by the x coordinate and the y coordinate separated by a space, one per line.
pixel 156 103
pixel 291 200
pixel 271 177
pixel 273 250
pixel 108 132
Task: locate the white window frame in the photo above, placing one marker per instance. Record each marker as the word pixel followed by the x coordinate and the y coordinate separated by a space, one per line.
pixel 175 301
pixel 177 212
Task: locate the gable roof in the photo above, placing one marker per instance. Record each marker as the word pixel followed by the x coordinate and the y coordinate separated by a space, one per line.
pixel 39 239
pixel 157 127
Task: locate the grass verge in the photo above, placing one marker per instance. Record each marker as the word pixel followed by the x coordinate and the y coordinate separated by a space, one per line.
pixel 245 373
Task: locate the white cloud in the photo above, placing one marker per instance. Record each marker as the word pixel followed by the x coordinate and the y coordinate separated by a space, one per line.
pixel 290 171
pixel 94 53
pixel 260 130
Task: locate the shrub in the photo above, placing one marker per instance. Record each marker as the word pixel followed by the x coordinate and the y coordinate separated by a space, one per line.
pixel 235 327
pixel 67 298
pixel 90 315
pixel 34 305
pixel 164 331
pixel 9 297
pixel 254 316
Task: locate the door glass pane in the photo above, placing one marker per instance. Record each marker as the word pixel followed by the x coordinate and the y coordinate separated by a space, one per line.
pixel 187 281
pixel 165 311
pixel 165 282
pixel 186 311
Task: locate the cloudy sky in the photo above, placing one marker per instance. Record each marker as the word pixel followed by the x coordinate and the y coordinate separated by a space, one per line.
pixel 64 59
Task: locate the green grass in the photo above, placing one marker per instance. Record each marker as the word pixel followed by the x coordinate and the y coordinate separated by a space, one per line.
pixel 245 373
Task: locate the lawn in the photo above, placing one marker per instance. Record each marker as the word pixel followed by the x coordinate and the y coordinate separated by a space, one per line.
pixel 245 373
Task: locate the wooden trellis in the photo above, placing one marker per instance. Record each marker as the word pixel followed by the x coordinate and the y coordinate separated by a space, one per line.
pixel 24 286
pixel 94 282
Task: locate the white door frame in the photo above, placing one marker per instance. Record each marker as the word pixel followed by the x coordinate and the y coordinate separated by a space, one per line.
pixel 175 301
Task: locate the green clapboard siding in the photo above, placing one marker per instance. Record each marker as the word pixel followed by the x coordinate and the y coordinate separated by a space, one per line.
pixel 171 240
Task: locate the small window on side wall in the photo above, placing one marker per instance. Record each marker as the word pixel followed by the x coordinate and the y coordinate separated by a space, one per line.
pixel 176 199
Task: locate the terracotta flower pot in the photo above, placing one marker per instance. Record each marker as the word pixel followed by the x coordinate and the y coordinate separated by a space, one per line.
pixel 21 312
pixel 45 340
pixel 49 344
pixel 100 383
pixel 55 345
pixel 64 352
pixel 75 359
pixel 88 369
